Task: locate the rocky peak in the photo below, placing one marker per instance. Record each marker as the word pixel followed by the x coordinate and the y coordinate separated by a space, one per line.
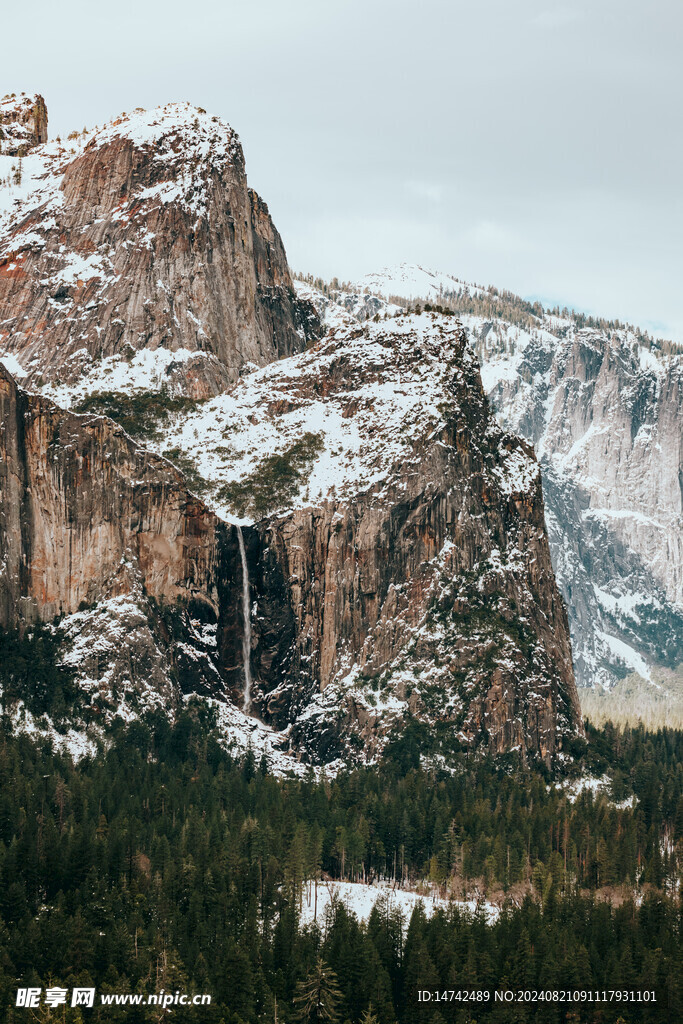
pixel 419 583
pixel 144 235
pixel 23 123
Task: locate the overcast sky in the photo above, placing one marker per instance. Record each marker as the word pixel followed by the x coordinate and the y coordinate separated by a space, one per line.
pixel 535 146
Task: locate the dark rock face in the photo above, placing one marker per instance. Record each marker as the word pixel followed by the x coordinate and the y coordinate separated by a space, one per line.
pixel 87 517
pixel 279 312
pixel 145 235
pixel 78 499
pixel 23 124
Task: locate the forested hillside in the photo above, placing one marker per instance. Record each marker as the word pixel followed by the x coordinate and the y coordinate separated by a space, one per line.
pixel 127 871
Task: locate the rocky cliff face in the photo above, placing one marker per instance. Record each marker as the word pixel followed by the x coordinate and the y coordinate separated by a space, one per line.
pixel 413 585
pixel 603 407
pixel 605 413
pixel 23 124
pixel 399 564
pixel 105 536
pixel 78 499
pixel 143 235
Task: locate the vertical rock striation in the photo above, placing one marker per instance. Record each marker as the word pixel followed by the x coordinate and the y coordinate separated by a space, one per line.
pixel 82 506
pixel 23 123
pixel 145 235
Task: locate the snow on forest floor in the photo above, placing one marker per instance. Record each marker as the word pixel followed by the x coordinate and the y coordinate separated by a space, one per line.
pixel 359 898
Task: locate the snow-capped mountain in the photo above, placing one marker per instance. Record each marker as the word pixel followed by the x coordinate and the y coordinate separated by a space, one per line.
pixel 392 564
pixel 324 547
pixel 143 235
pixel 411 281
pixel 603 405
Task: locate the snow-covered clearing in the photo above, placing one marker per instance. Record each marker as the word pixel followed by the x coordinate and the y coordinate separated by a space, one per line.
pixel 360 898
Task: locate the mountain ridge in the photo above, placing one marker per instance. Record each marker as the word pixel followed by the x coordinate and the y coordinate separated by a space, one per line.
pixel 626 604
pixel 308 634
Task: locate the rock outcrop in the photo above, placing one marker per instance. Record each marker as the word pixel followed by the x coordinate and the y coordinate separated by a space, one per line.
pixel 430 593
pixel 23 124
pixel 144 235
pixel 78 499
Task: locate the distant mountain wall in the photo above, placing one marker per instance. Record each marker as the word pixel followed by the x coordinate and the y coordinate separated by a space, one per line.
pixel 603 405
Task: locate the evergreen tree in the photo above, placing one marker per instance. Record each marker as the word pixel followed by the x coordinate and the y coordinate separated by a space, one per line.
pixel 317 998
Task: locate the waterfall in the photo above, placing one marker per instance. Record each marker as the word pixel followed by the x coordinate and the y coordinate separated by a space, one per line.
pixel 246 614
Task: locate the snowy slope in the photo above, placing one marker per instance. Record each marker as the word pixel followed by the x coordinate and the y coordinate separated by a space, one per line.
pixel 361 421
pixel 392 400
pixel 411 281
pixel 270 410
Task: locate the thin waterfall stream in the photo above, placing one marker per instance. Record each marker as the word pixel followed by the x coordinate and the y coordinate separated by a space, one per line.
pixel 246 614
